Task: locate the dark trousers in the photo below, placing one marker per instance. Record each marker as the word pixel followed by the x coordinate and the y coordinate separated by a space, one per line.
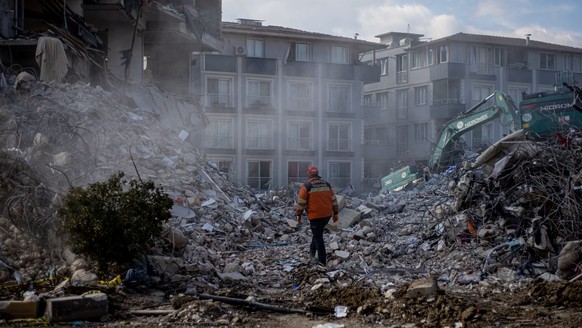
pixel 317 226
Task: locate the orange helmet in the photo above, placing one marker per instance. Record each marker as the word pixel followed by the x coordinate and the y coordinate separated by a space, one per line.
pixel 312 171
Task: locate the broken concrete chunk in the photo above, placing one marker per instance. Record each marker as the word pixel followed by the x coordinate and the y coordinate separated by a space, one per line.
pixel 18 309
pixel 234 276
pixel 62 159
pixel 342 254
pixel 76 308
pixel 422 287
pixel 347 217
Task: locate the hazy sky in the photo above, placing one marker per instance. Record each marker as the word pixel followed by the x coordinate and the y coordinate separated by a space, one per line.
pixel 546 20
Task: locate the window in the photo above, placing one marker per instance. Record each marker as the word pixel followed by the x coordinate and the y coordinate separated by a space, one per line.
pixel 482 61
pixel 421 132
pixel 223 165
pixel 299 136
pixel 259 135
pixel 339 98
pixel 418 59
pixel 219 92
pixel 340 55
pixel 577 64
pixel 421 96
pixel 339 137
pixel 443 54
pixel 430 57
pixel 258 93
pixel 376 136
pixel 547 61
pixel 300 96
pixel 459 54
pixel 402 69
pixel 382 100
pixel 367 99
pixel 218 134
pixel 401 140
pixel 339 174
pixel 302 51
pixel 255 48
pixel 296 171
pixel 498 57
pixel 383 66
pixel 447 91
pixel 401 104
pixel 481 92
pixel 259 176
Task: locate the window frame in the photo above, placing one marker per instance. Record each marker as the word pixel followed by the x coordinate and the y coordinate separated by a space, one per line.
pixel 301 170
pixel 421 95
pixel 421 132
pixel 344 54
pixel 252 47
pixel 291 100
pixel 262 180
pixel 337 180
pixel 229 136
pixel 338 140
pixel 402 104
pixel 334 105
pixel 300 141
pixel 545 61
pixel 222 99
pixel 259 100
pixel 254 138
pixel 305 56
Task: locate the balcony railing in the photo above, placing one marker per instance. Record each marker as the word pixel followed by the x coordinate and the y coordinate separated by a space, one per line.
pixel 402 77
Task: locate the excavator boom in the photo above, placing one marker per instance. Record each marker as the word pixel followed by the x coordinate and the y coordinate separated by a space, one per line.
pixel 503 108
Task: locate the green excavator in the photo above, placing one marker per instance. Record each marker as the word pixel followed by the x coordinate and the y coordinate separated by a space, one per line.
pixel 539 115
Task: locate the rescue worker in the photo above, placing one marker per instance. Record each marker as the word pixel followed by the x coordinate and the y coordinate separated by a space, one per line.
pixel 317 198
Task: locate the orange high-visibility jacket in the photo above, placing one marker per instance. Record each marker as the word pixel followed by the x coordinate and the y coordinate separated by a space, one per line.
pixel 317 198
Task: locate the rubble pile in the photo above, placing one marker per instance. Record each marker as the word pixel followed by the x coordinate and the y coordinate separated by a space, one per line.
pixel 528 199
pixel 427 256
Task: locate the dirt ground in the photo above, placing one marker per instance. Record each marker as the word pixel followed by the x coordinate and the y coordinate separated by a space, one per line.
pixel 536 304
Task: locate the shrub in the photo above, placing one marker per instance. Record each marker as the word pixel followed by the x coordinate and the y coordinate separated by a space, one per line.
pixel 110 223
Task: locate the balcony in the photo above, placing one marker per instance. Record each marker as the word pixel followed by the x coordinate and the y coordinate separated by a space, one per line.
pixel 301 69
pixel 446 108
pixel 519 75
pixel 376 152
pixel 220 63
pixel 447 71
pixel 338 72
pixel 262 66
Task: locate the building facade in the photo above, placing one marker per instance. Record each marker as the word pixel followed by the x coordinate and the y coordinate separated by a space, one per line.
pixel 279 99
pixel 125 40
pixel 425 83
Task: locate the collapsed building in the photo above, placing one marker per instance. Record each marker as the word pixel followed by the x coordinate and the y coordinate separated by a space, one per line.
pixel 476 245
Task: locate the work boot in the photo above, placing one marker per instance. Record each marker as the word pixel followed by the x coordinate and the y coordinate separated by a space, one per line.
pixel 321 266
pixel 313 260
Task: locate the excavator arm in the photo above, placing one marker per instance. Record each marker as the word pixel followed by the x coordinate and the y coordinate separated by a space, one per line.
pixel 503 108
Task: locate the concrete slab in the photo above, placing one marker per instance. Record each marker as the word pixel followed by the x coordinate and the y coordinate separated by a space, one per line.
pixel 76 308
pixel 341 201
pixel 18 309
pixel 347 217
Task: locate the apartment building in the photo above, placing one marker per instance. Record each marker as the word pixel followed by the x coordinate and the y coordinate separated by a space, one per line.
pixel 279 99
pixel 424 83
pixel 113 39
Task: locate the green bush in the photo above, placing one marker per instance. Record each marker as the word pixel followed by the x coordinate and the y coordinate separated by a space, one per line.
pixel 111 223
